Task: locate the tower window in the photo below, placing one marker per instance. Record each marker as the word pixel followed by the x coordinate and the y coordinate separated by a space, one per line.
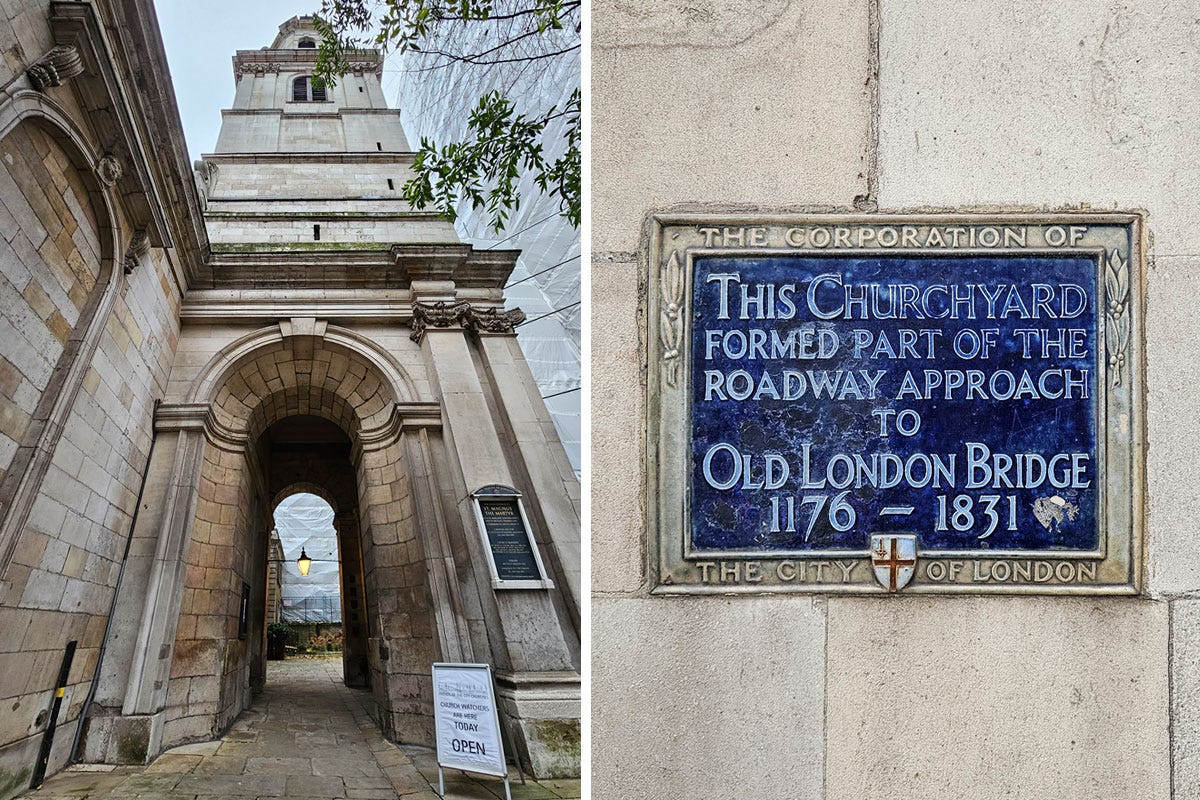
pixel 307 43
pixel 304 90
pixel 316 233
pixel 360 88
pixel 390 186
pixel 379 146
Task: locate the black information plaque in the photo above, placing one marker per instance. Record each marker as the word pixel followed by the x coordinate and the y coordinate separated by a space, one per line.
pixel 512 552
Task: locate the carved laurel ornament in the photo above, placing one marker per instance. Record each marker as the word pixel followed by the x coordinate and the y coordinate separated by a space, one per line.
pixel 60 64
pixel 139 248
pixel 670 328
pixel 437 315
pixel 1116 332
pixel 109 170
pixel 493 320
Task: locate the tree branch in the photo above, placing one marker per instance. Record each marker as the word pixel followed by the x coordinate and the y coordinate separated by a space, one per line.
pixel 452 58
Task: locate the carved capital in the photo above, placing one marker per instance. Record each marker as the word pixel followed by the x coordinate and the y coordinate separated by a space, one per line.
pixel 60 64
pixel 255 68
pixel 139 248
pixel 109 170
pixel 438 315
pixel 493 320
pixel 359 67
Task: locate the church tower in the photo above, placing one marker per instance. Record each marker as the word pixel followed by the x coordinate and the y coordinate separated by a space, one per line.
pixel 312 168
pixel 340 343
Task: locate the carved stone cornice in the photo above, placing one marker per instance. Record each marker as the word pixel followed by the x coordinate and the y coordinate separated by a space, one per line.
pixel 441 314
pixel 128 165
pixel 59 65
pixel 359 67
pixel 139 248
pixel 461 314
pixel 493 320
pixel 256 68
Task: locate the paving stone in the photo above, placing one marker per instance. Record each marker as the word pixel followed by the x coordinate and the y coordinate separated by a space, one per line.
pixel 286 766
pixel 300 785
pixel 366 782
pixel 530 791
pixel 320 738
pixel 221 765
pixel 199 748
pixel 147 783
pixel 565 788
pixel 174 762
pixel 345 766
pixel 254 785
pixel 303 701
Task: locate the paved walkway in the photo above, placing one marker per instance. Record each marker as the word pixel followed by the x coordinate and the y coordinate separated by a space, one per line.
pixel 307 736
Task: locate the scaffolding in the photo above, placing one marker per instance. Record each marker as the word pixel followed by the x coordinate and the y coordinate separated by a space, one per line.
pixel 435 94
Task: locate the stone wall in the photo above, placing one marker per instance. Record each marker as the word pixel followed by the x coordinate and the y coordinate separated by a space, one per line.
pixel 210 667
pixel 901 106
pixel 50 259
pixel 103 346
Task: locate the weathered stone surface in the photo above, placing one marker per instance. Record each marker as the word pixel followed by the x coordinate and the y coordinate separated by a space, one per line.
pixel 618 554
pixel 996 697
pixel 1173 328
pixel 707 697
pixel 1044 105
pixel 1185 698
pixel 728 103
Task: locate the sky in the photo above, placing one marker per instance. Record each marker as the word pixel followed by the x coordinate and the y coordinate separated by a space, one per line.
pixel 200 40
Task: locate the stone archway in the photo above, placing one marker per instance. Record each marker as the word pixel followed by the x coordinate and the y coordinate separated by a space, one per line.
pixel 428 592
pixel 72 297
pixel 216 502
pixel 305 375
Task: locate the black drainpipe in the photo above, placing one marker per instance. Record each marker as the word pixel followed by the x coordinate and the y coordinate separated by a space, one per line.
pixel 112 609
pixel 60 689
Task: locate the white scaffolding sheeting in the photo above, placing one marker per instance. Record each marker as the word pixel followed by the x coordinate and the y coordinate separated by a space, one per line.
pixel 435 96
pixel 305 523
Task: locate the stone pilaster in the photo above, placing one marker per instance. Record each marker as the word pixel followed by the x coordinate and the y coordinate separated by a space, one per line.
pixel 476 449
pixel 126 724
pixel 537 454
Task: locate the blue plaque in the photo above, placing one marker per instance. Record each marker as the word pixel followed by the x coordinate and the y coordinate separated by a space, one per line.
pixel 838 396
pixel 868 404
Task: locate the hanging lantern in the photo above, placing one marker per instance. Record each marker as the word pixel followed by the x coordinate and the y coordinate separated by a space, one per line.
pixel 303 562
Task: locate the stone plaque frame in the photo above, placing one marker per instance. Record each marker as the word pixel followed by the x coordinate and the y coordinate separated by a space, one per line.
pixel 1117 243
pixel 496 492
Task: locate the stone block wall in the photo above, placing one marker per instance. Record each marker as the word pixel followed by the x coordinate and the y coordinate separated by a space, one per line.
pixel 50 259
pixel 25 35
pixel 108 345
pixel 311 178
pixel 210 666
pixel 808 106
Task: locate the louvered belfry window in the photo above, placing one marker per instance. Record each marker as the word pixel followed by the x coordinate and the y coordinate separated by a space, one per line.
pixel 304 90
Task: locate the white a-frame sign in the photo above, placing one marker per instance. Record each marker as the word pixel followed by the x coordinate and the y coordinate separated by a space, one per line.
pixel 467 722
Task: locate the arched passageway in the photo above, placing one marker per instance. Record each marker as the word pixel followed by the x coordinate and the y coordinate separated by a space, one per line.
pixel 308 406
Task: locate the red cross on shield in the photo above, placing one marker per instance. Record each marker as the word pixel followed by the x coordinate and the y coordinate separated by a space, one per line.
pixel 894 559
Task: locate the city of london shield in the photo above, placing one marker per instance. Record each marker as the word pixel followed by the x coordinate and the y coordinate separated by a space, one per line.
pixel 894 559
